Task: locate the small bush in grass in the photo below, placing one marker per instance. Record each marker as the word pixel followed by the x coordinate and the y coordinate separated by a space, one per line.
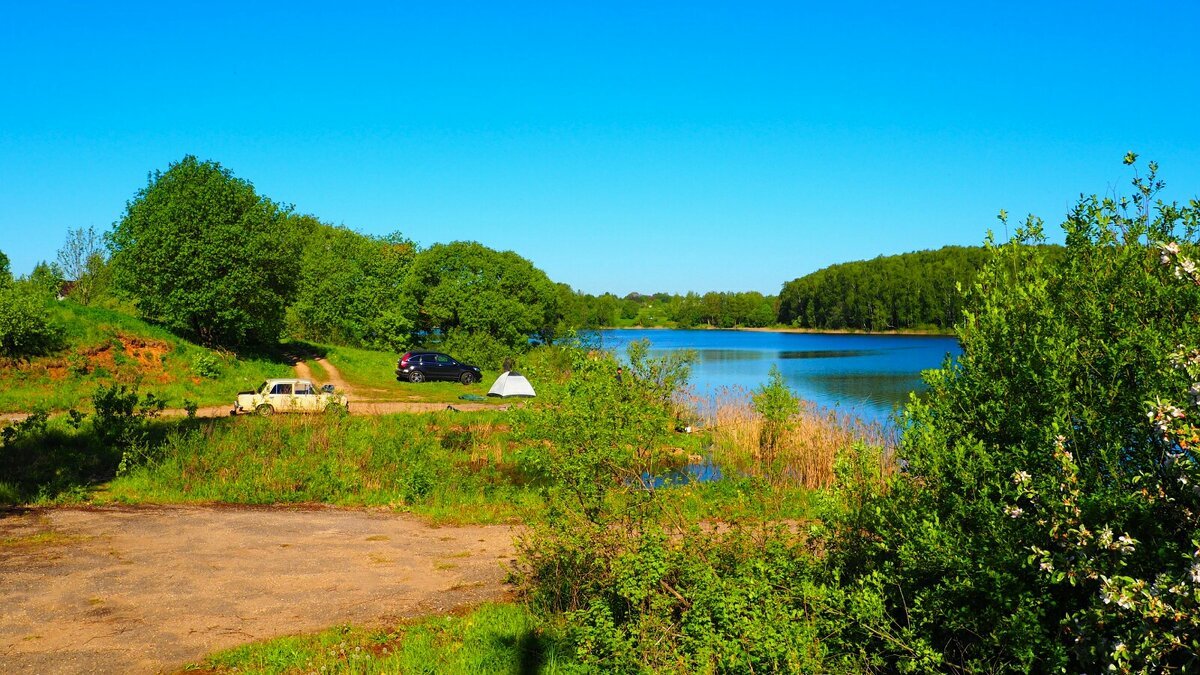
pixel 25 325
pixel 206 365
pixel 776 406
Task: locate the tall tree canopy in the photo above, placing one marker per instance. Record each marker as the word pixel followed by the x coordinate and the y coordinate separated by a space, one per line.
pixel 207 257
pixel 352 288
pixel 483 302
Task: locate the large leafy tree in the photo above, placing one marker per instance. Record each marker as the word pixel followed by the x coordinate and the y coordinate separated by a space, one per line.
pixel 206 256
pixel 352 288
pixel 482 302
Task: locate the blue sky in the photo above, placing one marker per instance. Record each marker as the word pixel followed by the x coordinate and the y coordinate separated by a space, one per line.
pixel 619 146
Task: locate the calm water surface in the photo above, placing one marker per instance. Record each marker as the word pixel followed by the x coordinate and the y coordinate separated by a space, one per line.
pixel 868 375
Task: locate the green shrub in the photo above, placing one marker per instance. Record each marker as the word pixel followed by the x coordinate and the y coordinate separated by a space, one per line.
pixel 206 365
pixel 25 325
pixel 1044 522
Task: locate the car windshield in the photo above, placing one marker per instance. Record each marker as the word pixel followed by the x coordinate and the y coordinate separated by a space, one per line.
pixel 262 388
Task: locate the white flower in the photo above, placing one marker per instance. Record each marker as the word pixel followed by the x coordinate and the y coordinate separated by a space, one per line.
pixel 1046 566
pixel 1021 477
pixel 1172 248
pixel 1014 511
pixel 1195 572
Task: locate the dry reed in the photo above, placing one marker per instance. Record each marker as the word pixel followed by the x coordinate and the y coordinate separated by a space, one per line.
pixel 805 452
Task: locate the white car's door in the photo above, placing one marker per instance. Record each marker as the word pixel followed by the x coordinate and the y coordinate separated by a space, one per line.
pixel 280 397
pixel 306 398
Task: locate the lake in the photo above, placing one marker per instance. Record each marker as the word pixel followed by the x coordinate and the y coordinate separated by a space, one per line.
pixel 867 375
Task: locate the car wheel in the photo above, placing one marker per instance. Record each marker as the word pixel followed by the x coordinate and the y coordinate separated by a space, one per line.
pixel 416 377
pixel 467 378
pixel 265 410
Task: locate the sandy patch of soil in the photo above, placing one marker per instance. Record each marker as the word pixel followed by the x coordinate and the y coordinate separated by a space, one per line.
pixel 142 590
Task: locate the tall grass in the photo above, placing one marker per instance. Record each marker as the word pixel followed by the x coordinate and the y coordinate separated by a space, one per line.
pixel 805 452
pixel 449 467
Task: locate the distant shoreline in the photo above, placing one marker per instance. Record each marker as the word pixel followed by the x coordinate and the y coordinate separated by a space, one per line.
pixel 793 329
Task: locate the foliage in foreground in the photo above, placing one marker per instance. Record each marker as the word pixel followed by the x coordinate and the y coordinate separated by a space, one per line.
pixel 1048 518
pixel 641 584
pixel 44 459
pixel 449 466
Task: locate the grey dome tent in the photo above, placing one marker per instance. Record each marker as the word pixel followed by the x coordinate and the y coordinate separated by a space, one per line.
pixel 511 384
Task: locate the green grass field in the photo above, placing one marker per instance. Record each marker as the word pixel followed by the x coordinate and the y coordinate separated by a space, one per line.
pixel 494 638
pixel 373 376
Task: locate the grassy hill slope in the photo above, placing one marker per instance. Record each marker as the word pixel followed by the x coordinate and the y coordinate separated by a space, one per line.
pixel 106 346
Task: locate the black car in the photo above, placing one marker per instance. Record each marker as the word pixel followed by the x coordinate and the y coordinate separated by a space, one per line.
pixel 421 366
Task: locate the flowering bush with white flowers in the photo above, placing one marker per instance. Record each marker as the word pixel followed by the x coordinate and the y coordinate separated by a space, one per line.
pixel 1049 515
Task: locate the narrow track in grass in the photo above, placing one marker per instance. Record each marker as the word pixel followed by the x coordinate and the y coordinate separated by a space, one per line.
pixel 147 589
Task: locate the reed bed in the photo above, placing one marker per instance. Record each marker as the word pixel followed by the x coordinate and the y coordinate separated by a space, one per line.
pixel 804 449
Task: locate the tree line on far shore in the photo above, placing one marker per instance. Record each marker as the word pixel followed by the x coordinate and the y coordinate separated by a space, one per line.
pixel 910 291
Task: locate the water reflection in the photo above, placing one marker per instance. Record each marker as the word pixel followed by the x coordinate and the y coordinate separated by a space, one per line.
pixel 716 355
pixel 826 353
pixel 867 375
pixel 883 391
pixel 701 472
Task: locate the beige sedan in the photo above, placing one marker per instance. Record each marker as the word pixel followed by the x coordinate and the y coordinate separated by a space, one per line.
pixel 289 395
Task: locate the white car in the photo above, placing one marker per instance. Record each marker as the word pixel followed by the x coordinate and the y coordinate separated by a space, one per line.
pixel 289 395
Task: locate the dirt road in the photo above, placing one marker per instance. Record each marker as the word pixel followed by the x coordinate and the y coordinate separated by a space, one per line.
pixel 363 401
pixel 141 590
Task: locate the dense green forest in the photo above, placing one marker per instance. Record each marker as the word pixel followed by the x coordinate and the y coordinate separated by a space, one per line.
pixel 920 290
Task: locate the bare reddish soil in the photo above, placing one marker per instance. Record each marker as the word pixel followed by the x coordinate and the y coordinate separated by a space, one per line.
pixel 142 590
